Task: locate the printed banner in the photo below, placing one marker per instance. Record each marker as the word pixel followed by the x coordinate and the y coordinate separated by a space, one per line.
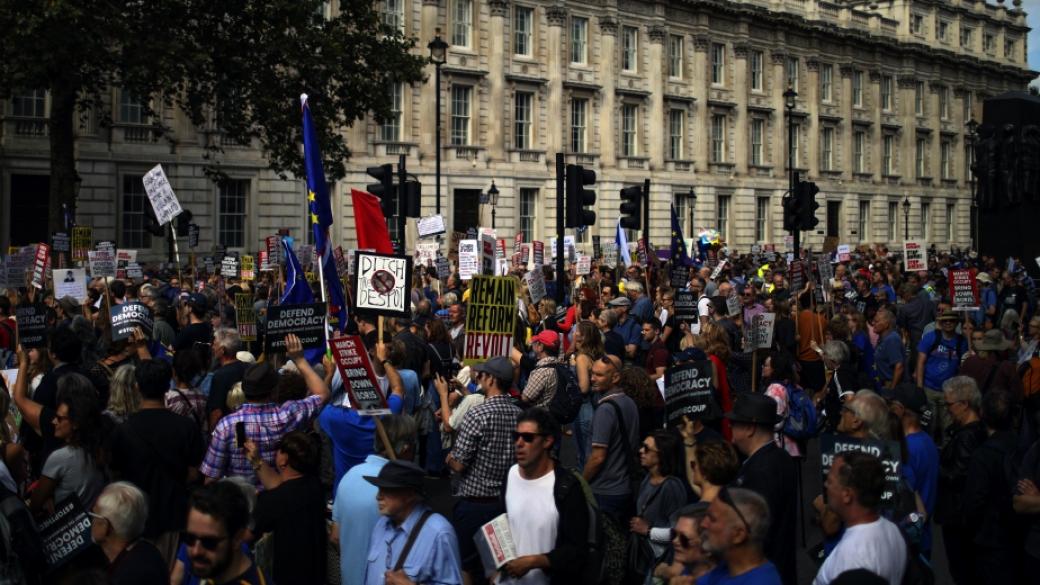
pixel 102 263
pixel 161 195
pixel 358 378
pixel 128 316
pixel 469 259
pixel 688 392
pixel 584 265
pixel 305 321
pixel 490 318
pixel 32 325
pixel 964 290
pixel 245 316
pixel 382 284
pixel 915 255
pixel 887 451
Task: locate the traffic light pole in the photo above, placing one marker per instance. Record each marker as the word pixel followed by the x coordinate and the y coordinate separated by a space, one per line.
pixel 560 212
pixel 402 178
pixel 796 233
pixel 646 217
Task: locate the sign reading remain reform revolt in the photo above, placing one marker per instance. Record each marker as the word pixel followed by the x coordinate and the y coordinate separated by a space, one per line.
pixel 491 318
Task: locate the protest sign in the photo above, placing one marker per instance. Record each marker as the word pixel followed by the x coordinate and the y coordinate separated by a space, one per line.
pixel 431 226
pixel 248 267
pixel 245 316
pixel 518 240
pixel 535 285
pixel 32 325
pixel 487 254
pixel 443 267
pixel 71 282
pixel 688 391
pixel 717 272
pixel 762 330
pixel 229 267
pixel 102 263
pixel 733 303
pixel 128 316
pixel 382 284
pixel 66 532
pixel 490 318
pixel 539 254
pixel 679 276
pixel 887 451
pixel 500 249
pixel 797 276
pixel 41 258
pixel 641 251
pixel 60 242
pixel 501 267
pixel 161 196
pixel 426 253
pixel 82 239
pixel 359 380
pixel 610 254
pixel 304 321
pixel 844 253
pixel 469 259
pixel 584 265
pixel 964 290
pixel 685 306
pixel 134 271
pixel 193 235
pixel 915 255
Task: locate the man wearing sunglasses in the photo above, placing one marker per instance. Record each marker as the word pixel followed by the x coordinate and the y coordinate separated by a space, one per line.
pixel 218 519
pixel 733 530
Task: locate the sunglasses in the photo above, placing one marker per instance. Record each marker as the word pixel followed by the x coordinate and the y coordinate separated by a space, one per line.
pixel 728 500
pixel 647 448
pixel 209 543
pixel 684 541
pixel 527 437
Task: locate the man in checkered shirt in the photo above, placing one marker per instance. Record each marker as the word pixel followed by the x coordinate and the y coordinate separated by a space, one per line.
pixel 482 456
pixel 543 383
pixel 265 421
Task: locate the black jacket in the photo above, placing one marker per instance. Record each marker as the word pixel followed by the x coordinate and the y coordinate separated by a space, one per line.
pixel 988 490
pixel 953 471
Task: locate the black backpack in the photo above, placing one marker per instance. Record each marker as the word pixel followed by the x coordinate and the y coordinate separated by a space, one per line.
pixel 22 558
pixel 567 400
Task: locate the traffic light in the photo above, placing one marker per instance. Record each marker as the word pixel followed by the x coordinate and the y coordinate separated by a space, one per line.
pixel 807 205
pixel 790 203
pixel 151 224
pixel 578 196
pixel 183 221
pixel 412 200
pixel 632 208
pixel 384 189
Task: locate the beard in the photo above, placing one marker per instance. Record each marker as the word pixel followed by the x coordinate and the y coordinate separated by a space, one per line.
pixel 706 545
pixel 203 567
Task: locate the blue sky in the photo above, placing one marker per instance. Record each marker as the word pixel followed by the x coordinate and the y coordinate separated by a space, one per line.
pixel 1032 8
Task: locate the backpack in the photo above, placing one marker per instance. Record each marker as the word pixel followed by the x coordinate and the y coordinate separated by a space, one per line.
pixel 958 341
pixel 802 422
pixel 567 400
pixel 605 557
pixel 21 550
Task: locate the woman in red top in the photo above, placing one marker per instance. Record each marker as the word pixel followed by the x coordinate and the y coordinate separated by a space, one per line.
pixel 715 342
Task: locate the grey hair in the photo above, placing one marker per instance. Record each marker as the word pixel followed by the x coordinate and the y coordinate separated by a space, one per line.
pixel 401 431
pixel 872 409
pixel 449 299
pixel 964 388
pixel 835 351
pixel 755 511
pixel 609 317
pixel 124 398
pixel 885 314
pixel 634 286
pixel 229 339
pixel 125 508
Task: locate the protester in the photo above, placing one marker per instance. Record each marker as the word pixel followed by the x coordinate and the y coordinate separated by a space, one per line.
pixel 117 523
pixel 230 371
pixel 183 398
pixel 587 349
pixel 217 526
pixel 715 466
pixel 690 562
pixel 734 530
pixel 615 433
pixel 544 381
pixel 921 471
pixel 660 495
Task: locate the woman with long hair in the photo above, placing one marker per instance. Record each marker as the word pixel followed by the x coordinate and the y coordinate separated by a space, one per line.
pixel 641 389
pixel 714 466
pixel 39 364
pixel 123 397
pixel 661 493
pixel 779 374
pixel 715 342
pixel 587 349
pixel 860 337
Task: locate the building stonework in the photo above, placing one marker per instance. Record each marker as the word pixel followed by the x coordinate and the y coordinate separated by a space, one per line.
pixel 686 93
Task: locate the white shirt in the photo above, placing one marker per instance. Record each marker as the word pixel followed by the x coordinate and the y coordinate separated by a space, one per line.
pixel 533 519
pixel 703 310
pixel 876 546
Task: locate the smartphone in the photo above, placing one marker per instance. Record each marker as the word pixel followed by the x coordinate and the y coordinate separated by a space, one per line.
pixel 240 433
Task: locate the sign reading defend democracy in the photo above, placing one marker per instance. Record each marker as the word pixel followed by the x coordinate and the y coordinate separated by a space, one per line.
pixel 887 451
pixel 358 378
pixel 32 325
pixel 688 391
pixel 490 318
pixel 304 321
pixel 128 316
pixel 964 290
pixel 381 284
pixel 685 306
pixel 66 532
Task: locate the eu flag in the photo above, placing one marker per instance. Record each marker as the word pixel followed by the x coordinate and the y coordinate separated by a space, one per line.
pixel 679 254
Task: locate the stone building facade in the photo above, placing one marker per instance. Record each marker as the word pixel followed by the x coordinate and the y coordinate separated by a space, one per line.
pixel 687 93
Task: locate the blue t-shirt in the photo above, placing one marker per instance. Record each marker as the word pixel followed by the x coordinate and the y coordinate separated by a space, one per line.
pixel 987 298
pixel 762 575
pixel 889 352
pixel 922 473
pixel 890 293
pixel 630 331
pixel 861 339
pixel 942 363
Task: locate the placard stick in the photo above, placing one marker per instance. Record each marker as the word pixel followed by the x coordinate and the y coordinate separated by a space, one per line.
pixel 754 370
pixel 380 334
pixel 381 431
pixel 176 250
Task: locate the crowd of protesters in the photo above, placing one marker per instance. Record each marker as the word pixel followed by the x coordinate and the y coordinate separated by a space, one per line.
pixel 199 458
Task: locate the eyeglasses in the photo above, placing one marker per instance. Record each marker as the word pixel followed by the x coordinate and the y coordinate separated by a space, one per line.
pixel 97 516
pixel 527 437
pixel 728 500
pixel 684 541
pixel 60 418
pixel 209 543
pixel 647 448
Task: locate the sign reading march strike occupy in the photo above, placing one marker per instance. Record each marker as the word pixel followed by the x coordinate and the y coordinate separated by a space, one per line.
pixel 886 451
pixel 66 533
pixel 358 378
pixel 964 290
pixel 126 317
pixel 304 321
pixel 32 325
pixel 490 318
pixel 381 284
pixel 688 391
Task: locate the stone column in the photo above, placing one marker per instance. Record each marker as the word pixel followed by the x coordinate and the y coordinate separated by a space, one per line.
pixel 496 81
pixel 607 74
pixel 908 142
pixel 701 122
pixel 557 17
pixel 427 112
pixel 741 135
pixel 848 130
pixel 780 146
pixel 657 125
pixel 811 95
pixel 877 134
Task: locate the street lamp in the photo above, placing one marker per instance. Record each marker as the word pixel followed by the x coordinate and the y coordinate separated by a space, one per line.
pixel 492 198
pixel 439 56
pixel 973 128
pixel 789 103
pixel 692 205
pixel 906 218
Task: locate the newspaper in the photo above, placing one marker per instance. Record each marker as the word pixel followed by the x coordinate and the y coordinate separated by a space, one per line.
pixel 495 543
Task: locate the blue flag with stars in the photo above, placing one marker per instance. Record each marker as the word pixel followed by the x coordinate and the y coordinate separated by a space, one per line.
pixel 679 253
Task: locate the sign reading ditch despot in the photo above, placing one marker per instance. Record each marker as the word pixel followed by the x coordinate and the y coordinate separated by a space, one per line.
pixel 304 321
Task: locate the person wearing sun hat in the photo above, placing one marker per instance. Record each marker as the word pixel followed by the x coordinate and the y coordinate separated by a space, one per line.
pixel 989 366
pixel 939 357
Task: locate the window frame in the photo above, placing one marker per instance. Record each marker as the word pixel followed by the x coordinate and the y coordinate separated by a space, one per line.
pixel 394 124
pixel 827 148
pixel 722 211
pixel 857 88
pixel 629 49
pixel 756 68
pixel 132 233
pixel 676 56
pixel 462 24
pixel 676 140
pixel 718 138
pixel 457 117
pixel 885 91
pixel 629 130
pixel 863 220
pixel 523 125
pixel 761 219
pixel 580 42
pixel 525 36
pixel 223 229
pixel 859 151
pixel 579 130
pixel 757 141
pixel 34 99
pixel 887 154
pixel 718 64
pixel 527 223
pixel 826 82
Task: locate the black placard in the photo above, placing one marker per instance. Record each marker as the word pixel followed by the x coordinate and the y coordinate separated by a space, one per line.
pixel 193 235
pixel 60 242
pixel 32 325
pixel 66 533
pixel 126 317
pixel 685 306
pixel 887 451
pixel 679 276
pixel 304 321
pixel 688 391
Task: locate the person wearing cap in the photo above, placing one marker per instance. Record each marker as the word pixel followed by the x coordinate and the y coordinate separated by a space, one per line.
pixel 939 355
pixel 921 471
pixel 989 368
pixel 265 421
pixel 626 326
pixel 482 455
pixel 735 530
pixel 769 471
pixel 543 381
pixel 67 308
pixel 198 331
pixel 433 556
pixel 988 302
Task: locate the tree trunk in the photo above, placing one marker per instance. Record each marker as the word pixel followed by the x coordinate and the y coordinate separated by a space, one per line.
pixel 64 178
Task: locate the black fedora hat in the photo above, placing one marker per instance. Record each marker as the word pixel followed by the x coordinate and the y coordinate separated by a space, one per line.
pixel 756 409
pixel 398 475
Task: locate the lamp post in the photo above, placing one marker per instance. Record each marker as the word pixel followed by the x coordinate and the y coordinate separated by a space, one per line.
pixel 439 56
pixel 973 128
pixel 906 218
pixel 692 205
pixel 492 196
pixel 789 102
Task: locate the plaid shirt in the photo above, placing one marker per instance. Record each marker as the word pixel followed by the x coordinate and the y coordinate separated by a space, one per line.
pixel 266 424
pixel 485 446
pixel 541 383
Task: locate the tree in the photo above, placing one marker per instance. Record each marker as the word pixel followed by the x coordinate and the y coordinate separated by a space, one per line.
pixel 241 63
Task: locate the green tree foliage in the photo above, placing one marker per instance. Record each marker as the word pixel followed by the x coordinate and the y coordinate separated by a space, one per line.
pixel 244 62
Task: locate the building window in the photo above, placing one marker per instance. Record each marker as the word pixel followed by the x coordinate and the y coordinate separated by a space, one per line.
pixel 969 105
pixel 684 208
pixel 676 127
pixel 390 129
pixel 926 220
pixel 969 159
pixel 943 31
pixel 945 154
pixel 135 206
pixel 791 72
pixel 718 138
pixel 951 221
pixel 629 48
pixel 917 24
pixel 30 104
pixel 863 225
pixel 522 119
pixel 794 147
pixel 675 56
pixel 827 149
pixel 460 117
pixel 528 213
pixel 919 160
pixel 131 109
pixel 462 22
pixel 1009 49
pixel 887 146
pixel 722 216
pixel 579 111
pixel 718 64
pixel 393 14
pixel 857 88
pixel 859 155
pixel 893 220
pixel 967 37
pixel 919 98
pixel 826 82
pixel 579 40
pixel 761 219
pixel 757 59
pixel 523 21
pixel 231 213
pixel 757 132
pixel 886 93
pixel 989 42
pixel 629 117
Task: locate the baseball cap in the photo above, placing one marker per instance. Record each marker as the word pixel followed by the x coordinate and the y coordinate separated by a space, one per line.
pixel 198 300
pixel 620 302
pixel 912 398
pixel 547 338
pixel 497 367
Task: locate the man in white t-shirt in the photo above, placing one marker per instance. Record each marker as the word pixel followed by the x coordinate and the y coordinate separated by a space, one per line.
pixel 546 507
pixel 854 486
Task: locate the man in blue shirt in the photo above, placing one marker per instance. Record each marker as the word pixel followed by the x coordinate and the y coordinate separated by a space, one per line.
pixel 642 307
pixel 733 530
pixel 888 357
pixel 354 511
pixel 626 327
pixel 433 557
pixel 921 471
pixel 938 358
pixel 987 298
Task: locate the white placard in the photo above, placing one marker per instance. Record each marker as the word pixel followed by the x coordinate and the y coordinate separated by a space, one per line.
pixel 568 242
pixel 383 283
pixel 844 253
pixel 426 253
pixel 431 226
pixel 535 285
pixel 469 259
pixel 584 265
pixel 915 255
pixel 102 263
pixel 718 270
pixel 161 195
pixel 501 267
pixel 70 282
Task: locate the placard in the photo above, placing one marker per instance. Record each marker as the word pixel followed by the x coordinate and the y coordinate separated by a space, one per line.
pixel 915 255
pixel 66 532
pixel 797 277
pixel 248 268
pixel 641 251
pixel 584 265
pixel 306 257
pixel 887 451
pixel 500 249
pixel 41 258
pixel 102 263
pixel 569 244
pixel 134 271
pixel 539 254
pixel 32 325
pixel 733 303
pixel 717 272
pixel 762 330
pixel 844 253
pixel 70 282
pixel 535 285
pixel 686 306
pixel 229 267
pixel 518 241
pixel 610 254
pixel 161 195
pixel 469 259
pixel 964 290
pixel 426 253
pixel 382 284
pixel 490 318
pixel 82 238
pixel 245 316
pixel 487 254
pixel 128 316
pixel 431 226
pixel 443 267
pixel 342 268
pixel 193 235
pixel 679 276
pixel 305 321
pixel 60 242
pixel 688 391
pixel 359 380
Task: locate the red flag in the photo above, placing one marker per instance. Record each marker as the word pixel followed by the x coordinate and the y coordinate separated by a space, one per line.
pixel 370 223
